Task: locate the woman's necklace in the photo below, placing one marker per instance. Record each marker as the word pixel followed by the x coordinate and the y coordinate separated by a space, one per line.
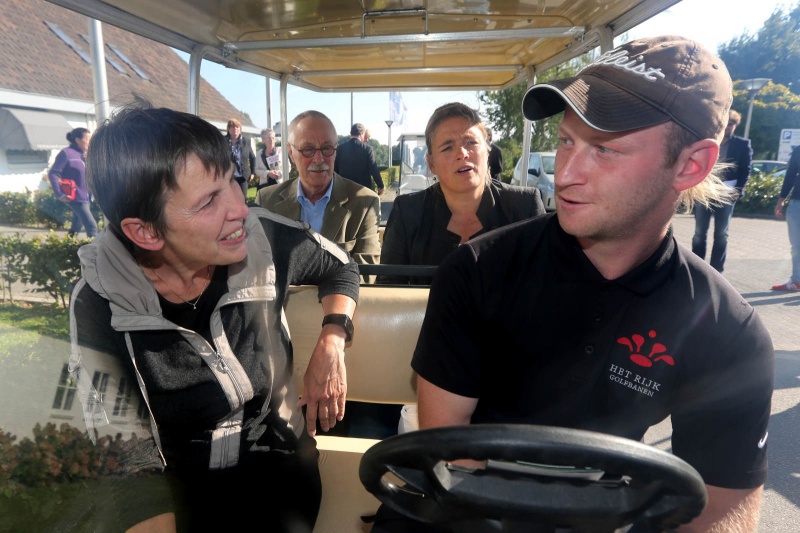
pixel 190 302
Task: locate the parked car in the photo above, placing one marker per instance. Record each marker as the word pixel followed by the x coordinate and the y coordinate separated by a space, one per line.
pixel 768 167
pixel 540 175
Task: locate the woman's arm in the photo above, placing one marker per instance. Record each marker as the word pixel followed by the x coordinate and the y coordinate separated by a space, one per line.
pixel 56 171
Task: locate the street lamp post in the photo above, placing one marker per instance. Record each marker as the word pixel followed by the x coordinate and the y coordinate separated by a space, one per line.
pixel 389 123
pixel 752 86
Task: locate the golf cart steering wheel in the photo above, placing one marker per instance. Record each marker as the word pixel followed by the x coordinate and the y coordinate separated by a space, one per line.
pixel 538 478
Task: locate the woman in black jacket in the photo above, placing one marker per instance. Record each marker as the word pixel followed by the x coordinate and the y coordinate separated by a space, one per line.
pixel 425 226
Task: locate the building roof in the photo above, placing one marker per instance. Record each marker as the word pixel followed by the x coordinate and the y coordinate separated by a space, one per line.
pixel 37 61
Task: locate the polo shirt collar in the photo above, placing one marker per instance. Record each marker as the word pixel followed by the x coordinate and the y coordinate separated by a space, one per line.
pixel 575 267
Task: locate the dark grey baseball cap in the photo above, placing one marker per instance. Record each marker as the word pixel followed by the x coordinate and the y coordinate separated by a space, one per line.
pixel 643 83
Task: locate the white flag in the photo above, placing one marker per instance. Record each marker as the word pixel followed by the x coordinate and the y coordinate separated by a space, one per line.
pixel 397 109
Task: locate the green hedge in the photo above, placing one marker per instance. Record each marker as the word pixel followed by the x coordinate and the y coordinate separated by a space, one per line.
pixel 38 209
pixel 760 195
pixel 48 263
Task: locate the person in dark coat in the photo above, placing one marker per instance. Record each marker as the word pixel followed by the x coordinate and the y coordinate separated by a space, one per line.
pixel 355 160
pixel 495 157
pixel 738 152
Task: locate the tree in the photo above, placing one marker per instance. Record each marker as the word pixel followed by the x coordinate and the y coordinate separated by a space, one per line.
pixel 774 108
pixel 503 109
pixel 773 52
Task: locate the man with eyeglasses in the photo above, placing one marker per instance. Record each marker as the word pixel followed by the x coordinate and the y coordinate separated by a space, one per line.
pixel 335 207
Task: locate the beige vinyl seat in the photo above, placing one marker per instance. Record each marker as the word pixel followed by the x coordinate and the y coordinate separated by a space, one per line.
pixel 387 324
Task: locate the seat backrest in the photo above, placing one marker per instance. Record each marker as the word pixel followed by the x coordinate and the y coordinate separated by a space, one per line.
pixel 387 322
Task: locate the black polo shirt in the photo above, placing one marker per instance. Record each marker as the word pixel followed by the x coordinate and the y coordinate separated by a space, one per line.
pixel 520 319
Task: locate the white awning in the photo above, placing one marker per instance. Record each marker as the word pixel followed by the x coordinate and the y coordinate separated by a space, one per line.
pixel 25 129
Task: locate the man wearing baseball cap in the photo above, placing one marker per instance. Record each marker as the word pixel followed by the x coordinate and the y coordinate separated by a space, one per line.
pixel 595 317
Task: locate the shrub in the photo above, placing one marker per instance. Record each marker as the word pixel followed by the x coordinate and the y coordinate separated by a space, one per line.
pixel 49 211
pixel 52 265
pixel 49 263
pixel 15 208
pixel 761 193
pixel 12 262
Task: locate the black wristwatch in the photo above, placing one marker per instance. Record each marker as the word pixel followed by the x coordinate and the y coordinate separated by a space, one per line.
pixel 340 320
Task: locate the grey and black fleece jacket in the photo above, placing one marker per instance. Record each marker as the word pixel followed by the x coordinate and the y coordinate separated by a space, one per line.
pixel 191 403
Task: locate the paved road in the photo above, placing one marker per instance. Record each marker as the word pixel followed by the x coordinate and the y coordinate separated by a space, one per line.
pixel 758 257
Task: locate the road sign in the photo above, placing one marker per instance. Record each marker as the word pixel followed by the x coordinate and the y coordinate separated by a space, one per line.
pixel 789 139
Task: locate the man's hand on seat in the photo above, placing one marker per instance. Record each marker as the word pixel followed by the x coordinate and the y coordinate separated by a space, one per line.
pixel 325 381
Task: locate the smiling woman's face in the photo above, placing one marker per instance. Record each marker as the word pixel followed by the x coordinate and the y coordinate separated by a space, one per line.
pixel 459 156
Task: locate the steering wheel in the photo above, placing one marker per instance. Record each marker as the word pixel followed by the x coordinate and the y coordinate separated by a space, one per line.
pixel 538 478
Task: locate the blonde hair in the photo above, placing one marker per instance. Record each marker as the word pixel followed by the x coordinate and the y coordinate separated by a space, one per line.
pixel 711 192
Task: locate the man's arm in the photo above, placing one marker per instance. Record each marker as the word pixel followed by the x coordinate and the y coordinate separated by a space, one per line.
pixel 325 380
pixel 437 407
pixel 789 179
pixel 728 511
pixel 373 169
pixel 251 156
pixel 743 167
pixel 499 160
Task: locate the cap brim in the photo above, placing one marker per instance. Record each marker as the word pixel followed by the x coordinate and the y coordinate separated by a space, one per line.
pixel 602 105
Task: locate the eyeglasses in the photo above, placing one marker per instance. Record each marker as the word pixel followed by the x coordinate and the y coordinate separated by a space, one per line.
pixel 309 151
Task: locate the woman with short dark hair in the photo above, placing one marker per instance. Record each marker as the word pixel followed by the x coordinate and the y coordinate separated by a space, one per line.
pixel 180 351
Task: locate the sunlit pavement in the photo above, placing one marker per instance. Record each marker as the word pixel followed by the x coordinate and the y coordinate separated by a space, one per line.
pixel 758 257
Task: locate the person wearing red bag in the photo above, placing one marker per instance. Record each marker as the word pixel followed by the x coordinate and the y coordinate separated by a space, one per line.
pixel 70 165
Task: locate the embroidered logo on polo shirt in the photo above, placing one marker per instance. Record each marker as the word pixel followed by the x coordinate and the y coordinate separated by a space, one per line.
pixel 656 354
pixel 630 378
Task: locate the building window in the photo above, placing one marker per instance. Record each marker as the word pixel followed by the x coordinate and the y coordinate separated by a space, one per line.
pixel 110 60
pixel 27 158
pixel 100 383
pixel 69 42
pixel 142 411
pixel 128 62
pixel 123 397
pixel 65 392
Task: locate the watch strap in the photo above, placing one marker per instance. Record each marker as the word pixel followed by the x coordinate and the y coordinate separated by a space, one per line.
pixel 340 320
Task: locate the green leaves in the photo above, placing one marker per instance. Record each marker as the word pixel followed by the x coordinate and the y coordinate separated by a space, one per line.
pixel 48 263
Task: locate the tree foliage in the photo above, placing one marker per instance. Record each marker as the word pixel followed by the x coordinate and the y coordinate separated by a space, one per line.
pixel 773 52
pixel 775 108
pixel 503 110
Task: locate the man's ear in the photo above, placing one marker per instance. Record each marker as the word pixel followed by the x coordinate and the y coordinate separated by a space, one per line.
pixel 696 163
pixel 430 163
pixel 142 234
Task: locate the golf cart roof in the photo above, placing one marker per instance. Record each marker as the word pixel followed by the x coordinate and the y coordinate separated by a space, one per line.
pixel 380 45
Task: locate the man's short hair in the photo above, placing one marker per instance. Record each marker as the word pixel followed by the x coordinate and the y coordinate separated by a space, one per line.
pixel 735 116
pixel 311 113
pixel 266 131
pixel 357 129
pixel 643 83
pixel 234 122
